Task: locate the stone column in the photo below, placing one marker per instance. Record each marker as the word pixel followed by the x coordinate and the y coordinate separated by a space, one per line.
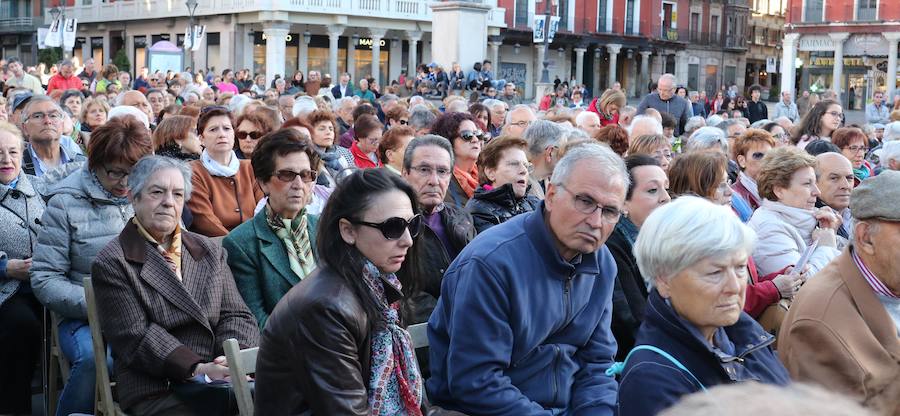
pixel 352 40
pixel 426 51
pixel 579 64
pixel 645 72
pixel 892 38
pixel 334 33
pixel 275 48
pixel 303 57
pixel 226 49
pixel 681 67
pixel 613 50
pixel 377 36
pixel 413 37
pixel 837 74
pixel 539 52
pixel 788 56
pixel 596 71
pixel 494 55
pixel 395 55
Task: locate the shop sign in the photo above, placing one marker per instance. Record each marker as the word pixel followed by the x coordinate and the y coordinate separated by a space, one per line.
pixel 816 43
pixel 866 44
pixel 826 61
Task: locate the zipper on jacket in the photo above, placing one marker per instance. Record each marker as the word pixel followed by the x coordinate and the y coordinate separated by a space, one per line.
pixel 755 348
pixel 555 374
pixel 567 294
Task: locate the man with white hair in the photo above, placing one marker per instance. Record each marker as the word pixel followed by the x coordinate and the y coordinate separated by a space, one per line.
pixel 890 155
pixel 286 106
pixel 457 106
pixel 643 125
pixel 498 111
pixel 535 290
pixel 544 140
pixel 626 116
pixel 664 100
pixel 303 106
pixel 786 108
pixel 518 119
pixel 588 121
pixel 343 109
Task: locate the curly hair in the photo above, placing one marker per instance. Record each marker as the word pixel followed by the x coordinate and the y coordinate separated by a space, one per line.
pixel 615 136
pixel 447 124
pixel 778 168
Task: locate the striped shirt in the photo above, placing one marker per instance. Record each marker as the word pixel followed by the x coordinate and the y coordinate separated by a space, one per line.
pixel 873 281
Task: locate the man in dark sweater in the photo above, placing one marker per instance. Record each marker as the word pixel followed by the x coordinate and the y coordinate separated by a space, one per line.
pixel 665 101
pixel 756 109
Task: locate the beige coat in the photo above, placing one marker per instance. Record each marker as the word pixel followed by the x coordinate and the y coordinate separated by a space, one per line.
pixel 838 334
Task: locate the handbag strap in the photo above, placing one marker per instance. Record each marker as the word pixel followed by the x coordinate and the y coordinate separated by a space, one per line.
pixel 618 367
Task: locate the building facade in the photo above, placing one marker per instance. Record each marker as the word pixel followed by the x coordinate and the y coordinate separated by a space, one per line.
pixel 848 46
pixel 764 36
pixel 19 20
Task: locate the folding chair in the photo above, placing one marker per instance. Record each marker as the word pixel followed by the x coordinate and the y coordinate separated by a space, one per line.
pixel 240 364
pixel 418 333
pixel 105 405
pixel 58 365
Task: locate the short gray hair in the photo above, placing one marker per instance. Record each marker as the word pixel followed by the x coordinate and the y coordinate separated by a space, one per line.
pixel 601 156
pixel 542 134
pixel 420 119
pixel 725 124
pixel 682 233
pixel 714 120
pixel 891 131
pixel 693 124
pixel 37 99
pixel 645 119
pixel 149 165
pixel 425 141
pixel 492 102
pixel 516 108
pixel 337 104
pixel 584 115
pixel 707 137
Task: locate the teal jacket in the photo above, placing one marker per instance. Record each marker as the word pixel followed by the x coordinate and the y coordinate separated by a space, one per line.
pixel 259 262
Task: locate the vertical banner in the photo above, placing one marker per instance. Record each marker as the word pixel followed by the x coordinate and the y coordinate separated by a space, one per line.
pixel 199 33
pixel 554 27
pixel 42 36
pixel 538 33
pixel 52 39
pixel 69 31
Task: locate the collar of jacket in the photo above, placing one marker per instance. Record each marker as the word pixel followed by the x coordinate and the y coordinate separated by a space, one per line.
pixel 23 185
pixel 504 195
pixel 870 308
pixel 543 240
pixel 745 335
pixel 134 245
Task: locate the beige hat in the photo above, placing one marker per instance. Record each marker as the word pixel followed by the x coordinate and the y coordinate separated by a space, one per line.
pixel 877 197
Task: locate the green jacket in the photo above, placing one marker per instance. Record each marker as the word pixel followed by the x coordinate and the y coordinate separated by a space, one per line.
pixel 259 262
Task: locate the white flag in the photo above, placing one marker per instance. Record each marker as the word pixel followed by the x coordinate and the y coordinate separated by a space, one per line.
pixel 69 32
pixel 52 39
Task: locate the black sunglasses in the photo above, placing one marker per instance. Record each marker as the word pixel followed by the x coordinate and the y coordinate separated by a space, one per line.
pixel 758 155
pixel 469 135
pixel 253 135
pixel 393 228
pixel 289 176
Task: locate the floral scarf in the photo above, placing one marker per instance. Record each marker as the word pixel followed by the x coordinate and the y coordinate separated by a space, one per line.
pixel 468 181
pixel 395 386
pixel 120 201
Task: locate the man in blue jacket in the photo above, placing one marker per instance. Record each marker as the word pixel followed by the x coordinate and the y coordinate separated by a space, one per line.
pixel 522 326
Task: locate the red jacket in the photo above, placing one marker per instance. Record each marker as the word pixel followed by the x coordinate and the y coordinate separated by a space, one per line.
pixel 592 107
pixel 761 293
pixel 361 159
pixel 742 190
pixel 57 82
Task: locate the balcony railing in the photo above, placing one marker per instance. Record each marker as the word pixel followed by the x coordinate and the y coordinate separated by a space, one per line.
pixel 17 23
pixel 419 10
pixel 702 38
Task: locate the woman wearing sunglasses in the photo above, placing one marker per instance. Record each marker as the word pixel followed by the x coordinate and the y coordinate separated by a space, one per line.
pixel 250 128
pixel 334 345
pixel 503 170
pixel 273 252
pixel 748 150
pixel 225 191
pixel 467 141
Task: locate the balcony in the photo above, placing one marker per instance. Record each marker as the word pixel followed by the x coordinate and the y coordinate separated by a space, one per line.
pixel 669 34
pixel 17 24
pixel 416 10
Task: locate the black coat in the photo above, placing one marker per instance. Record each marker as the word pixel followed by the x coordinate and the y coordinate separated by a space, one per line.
pixel 756 111
pixel 489 208
pixel 434 258
pixel 629 294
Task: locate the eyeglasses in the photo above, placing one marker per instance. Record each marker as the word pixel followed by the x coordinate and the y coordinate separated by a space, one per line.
pixel 518 164
pixel 394 227
pixel 758 155
pixel 403 122
pixel 288 176
pixel 53 116
pixel 836 114
pixel 372 140
pixel 857 149
pixel 470 135
pixel 522 124
pixel 252 135
pixel 663 153
pixel 115 174
pixel 724 186
pixel 426 171
pixel 586 205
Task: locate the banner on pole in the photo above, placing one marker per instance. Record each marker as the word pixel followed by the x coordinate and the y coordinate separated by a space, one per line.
pixel 69 32
pixel 42 36
pixel 52 39
pixel 194 44
pixel 554 27
pixel 538 33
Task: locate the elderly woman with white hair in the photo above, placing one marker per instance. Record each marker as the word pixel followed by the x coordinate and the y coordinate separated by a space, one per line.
pixel 693 124
pixel 695 334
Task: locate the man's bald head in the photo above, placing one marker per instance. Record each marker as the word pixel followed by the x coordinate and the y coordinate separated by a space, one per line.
pixel 138 100
pixel 834 177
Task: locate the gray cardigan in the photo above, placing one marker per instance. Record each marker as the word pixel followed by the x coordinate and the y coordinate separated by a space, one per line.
pixel 79 221
pixel 20 210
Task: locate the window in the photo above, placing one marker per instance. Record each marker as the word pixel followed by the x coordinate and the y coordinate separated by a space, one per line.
pixel 629 17
pixel 8 9
pixel 695 26
pixel 521 16
pixel 815 11
pixel 601 16
pixel 562 10
pixel 714 27
pixel 866 10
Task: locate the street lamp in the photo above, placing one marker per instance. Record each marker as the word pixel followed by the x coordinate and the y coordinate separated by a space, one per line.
pixel 545 72
pixel 60 13
pixel 192 7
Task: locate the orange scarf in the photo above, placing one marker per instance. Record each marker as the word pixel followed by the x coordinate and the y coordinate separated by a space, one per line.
pixel 468 181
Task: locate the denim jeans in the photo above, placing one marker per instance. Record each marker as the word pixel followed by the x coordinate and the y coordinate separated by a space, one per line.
pixel 76 344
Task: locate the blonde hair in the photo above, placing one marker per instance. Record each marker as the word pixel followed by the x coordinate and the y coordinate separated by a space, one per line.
pixel 646 144
pixel 91 102
pixel 778 167
pixel 10 128
pixel 611 96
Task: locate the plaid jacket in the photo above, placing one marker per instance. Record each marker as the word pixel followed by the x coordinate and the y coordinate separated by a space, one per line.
pixel 157 327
